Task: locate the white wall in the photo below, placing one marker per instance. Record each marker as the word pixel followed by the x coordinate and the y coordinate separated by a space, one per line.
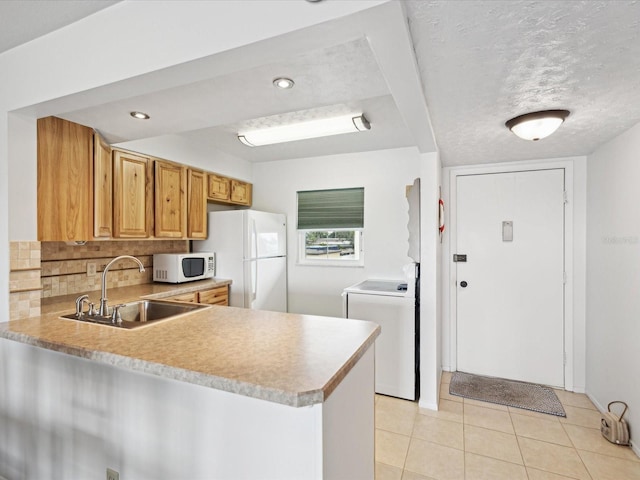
pixel 575 261
pixel 384 175
pixel 430 282
pixel 23 187
pixel 613 274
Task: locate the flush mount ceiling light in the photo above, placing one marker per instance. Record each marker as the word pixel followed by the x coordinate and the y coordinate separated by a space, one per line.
pixel 304 130
pixel 283 83
pixel 537 125
pixel 140 115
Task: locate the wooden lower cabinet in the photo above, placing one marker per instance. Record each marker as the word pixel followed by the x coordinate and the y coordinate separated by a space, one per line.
pixel 215 296
pixel 212 296
pixel 191 297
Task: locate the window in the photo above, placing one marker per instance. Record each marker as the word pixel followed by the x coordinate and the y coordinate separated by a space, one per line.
pixel 330 226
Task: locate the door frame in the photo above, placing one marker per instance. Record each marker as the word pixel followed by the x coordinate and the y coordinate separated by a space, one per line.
pixel 568 166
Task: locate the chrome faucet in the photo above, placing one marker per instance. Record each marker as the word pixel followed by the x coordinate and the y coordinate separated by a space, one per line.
pixel 104 309
pixel 80 301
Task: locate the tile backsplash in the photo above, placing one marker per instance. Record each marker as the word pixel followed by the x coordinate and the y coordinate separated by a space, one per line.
pixel 64 267
pixel 25 288
pixel 50 269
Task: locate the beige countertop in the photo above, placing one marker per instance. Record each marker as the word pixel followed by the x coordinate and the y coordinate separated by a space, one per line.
pixel 285 358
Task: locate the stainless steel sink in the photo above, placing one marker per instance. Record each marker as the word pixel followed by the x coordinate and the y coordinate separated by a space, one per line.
pixel 141 313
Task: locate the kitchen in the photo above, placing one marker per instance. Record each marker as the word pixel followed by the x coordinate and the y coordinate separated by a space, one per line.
pixel 26 88
pixel 187 152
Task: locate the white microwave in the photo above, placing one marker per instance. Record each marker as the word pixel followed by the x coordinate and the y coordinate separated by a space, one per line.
pixel 183 267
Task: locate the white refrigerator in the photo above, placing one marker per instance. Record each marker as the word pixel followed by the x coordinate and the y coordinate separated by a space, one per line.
pixel 251 250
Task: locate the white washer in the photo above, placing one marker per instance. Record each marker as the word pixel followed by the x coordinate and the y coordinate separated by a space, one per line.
pixel 394 309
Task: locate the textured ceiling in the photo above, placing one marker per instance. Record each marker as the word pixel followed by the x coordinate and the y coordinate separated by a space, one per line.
pixel 484 62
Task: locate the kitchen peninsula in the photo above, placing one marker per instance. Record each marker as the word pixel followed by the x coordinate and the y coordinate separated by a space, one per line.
pixel 223 393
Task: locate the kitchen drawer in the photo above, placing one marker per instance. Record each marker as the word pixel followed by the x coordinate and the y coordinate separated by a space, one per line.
pixel 185 297
pixel 215 296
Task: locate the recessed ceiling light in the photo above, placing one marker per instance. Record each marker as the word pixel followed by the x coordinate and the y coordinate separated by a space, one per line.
pixel 140 115
pixel 283 83
pixel 537 125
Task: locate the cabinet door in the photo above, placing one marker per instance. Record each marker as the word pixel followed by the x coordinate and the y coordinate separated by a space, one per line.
pixel 102 188
pixel 240 192
pixel 215 296
pixel 132 199
pixel 65 181
pixel 171 202
pixel 219 188
pixel 197 204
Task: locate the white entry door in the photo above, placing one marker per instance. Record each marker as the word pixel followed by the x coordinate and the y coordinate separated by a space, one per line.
pixel 510 290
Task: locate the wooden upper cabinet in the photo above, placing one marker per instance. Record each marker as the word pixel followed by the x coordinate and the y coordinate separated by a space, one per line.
pixel 132 195
pixel 219 188
pixel 227 190
pixel 171 199
pixel 241 192
pixel 197 204
pixel 103 188
pixel 65 181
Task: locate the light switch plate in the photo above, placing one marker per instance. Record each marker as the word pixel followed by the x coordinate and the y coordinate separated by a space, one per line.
pixel 507 231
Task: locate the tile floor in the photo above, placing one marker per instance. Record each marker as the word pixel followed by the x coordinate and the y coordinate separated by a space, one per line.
pixel 472 440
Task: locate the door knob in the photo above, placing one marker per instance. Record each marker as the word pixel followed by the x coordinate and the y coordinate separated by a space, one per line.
pixel 463 284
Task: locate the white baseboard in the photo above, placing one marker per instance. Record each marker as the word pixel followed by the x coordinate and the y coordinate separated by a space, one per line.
pixel 579 389
pixel 635 448
pixel 428 406
pixel 600 408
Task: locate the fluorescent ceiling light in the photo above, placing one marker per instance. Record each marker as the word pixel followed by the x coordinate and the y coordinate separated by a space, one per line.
pixel 304 130
pixel 537 125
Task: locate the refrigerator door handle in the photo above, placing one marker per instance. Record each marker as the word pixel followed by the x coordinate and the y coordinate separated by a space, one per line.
pixel 254 280
pixel 254 239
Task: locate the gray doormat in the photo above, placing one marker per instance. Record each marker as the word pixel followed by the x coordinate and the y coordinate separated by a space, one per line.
pixel 506 392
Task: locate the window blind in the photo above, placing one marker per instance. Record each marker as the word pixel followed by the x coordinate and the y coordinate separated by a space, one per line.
pixel 327 209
